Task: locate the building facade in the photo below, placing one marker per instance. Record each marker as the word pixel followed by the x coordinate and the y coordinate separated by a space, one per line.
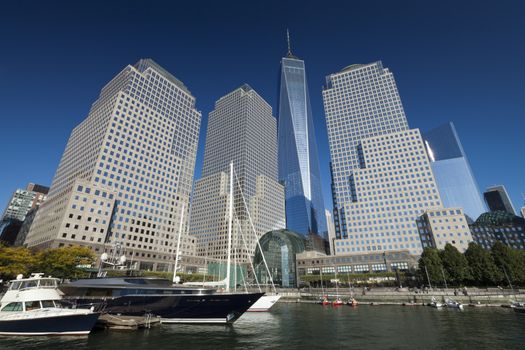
pixel 331 231
pixel 498 199
pixel 242 130
pixel 501 226
pixel 311 263
pixel 298 158
pixel 360 101
pixel 437 227
pixel 23 200
pixel 456 183
pixel 126 174
pixel 382 180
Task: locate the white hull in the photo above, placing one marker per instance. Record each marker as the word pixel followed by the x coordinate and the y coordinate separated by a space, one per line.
pixel 264 303
pixel 46 333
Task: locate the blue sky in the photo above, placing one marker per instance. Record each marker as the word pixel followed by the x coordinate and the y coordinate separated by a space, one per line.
pixel 453 61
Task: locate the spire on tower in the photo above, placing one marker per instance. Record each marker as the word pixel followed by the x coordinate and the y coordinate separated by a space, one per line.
pixel 289 54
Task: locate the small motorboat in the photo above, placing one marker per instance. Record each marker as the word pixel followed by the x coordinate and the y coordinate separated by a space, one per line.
pixel 515 304
pixel 323 301
pixel 453 304
pixel 32 306
pixel 352 302
pixel 519 309
pixel 337 302
pixel 435 304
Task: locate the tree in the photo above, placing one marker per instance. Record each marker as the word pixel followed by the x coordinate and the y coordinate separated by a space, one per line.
pixel 14 261
pixel 431 260
pixel 502 256
pixel 63 262
pixel 455 265
pixel 482 268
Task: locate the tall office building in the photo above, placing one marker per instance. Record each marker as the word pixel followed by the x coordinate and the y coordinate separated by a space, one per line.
pixel 360 101
pixel 127 171
pixel 498 199
pixel 456 183
pixel 23 200
pixel 298 160
pixel 382 179
pixel 242 130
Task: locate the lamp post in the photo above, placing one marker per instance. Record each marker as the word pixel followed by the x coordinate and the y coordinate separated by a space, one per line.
pixel 113 261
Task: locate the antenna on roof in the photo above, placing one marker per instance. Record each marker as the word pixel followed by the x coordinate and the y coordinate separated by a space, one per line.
pixel 288 40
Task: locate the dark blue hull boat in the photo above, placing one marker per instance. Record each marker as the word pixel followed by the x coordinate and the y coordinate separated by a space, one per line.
pixel 174 304
pixel 75 324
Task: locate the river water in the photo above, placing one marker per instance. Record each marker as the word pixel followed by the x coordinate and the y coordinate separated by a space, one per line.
pixel 309 326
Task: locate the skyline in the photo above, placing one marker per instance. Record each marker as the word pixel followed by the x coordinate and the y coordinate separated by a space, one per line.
pixel 435 84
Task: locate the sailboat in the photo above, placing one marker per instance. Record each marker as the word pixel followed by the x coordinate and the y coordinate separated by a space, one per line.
pixel 265 302
pixel 337 301
pixel 324 299
pixel 352 302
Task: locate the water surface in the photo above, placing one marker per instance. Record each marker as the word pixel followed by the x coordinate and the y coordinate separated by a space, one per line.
pixel 308 326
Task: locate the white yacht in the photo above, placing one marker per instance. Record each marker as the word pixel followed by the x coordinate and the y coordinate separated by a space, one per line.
pixel 31 306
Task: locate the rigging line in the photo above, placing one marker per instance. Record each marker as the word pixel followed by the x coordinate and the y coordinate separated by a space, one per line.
pixel 255 232
pixel 250 260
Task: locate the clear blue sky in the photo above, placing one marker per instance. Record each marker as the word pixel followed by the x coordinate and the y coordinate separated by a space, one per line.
pixel 459 61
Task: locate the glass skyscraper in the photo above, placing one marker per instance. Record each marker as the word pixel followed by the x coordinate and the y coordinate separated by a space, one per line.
pixel 298 159
pixel 498 199
pixel 456 183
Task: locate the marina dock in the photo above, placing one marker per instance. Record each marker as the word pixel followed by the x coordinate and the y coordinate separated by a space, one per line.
pixel 126 323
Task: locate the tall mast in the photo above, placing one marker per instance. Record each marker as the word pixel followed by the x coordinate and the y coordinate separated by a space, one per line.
pixel 178 245
pixel 230 219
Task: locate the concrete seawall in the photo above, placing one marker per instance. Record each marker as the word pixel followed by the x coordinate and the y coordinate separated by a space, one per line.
pixel 385 296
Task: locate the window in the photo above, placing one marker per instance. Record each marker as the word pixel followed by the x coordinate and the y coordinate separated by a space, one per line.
pixel 32 305
pixel 47 303
pixel 13 307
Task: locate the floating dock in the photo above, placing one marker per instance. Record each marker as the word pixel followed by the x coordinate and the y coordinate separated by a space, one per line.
pixel 126 323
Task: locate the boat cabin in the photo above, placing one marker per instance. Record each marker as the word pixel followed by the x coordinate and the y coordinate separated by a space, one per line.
pixel 33 293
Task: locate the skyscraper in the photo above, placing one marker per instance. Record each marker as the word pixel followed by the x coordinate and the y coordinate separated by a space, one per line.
pixel 498 199
pixel 23 200
pixel 382 179
pixel 360 101
pixel 298 160
pixel 242 130
pixel 456 183
pixel 127 171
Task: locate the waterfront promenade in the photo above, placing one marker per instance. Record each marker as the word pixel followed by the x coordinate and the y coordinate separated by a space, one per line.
pixel 479 296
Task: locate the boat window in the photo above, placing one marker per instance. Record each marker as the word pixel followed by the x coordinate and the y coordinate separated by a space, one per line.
pixel 15 285
pixel 32 305
pixel 47 283
pixel 29 284
pixel 47 303
pixel 13 307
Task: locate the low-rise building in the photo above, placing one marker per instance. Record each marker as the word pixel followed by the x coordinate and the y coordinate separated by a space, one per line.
pixel 437 227
pixel 315 263
pixel 499 226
